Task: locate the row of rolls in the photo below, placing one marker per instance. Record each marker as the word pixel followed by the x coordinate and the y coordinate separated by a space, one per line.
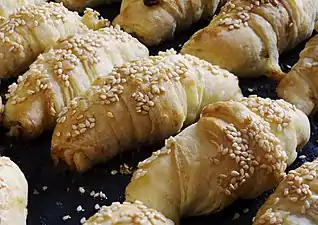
pixel 96 87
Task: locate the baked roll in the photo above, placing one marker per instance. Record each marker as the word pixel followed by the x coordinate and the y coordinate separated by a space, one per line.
pixel 9 6
pixel 295 200
pixel 154 21
pixel 31 30
pixel 299 85
pixel 238 149
pixel 247 36
pixel 140 102
pixel 13 194
pixel 62 73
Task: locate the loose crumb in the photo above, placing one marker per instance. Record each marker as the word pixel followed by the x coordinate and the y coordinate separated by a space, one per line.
pixel 66 217
pixel 236 216
pixel 44 188
pixel 35 192
pixel 125 169
pixel 246 210
pixel 253 219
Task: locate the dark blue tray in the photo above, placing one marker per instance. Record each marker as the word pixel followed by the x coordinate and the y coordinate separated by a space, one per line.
pixel 62 196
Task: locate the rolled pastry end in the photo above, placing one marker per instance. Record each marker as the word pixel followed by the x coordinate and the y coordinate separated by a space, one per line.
pixel 240 51
pixel 93 20
pixel 146 26
pixel 75 158
pixel 128 213
pixel 25 120
pixel 297 91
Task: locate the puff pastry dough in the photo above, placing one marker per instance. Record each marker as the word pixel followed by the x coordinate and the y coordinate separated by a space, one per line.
pixel 62 73
pixel 248 35
pixel 154 21
pixel 238 149
pixel 295 201
pixel 300 85
pixel 140 102
pixel 30 30
pixel 9 6
pixel 13 194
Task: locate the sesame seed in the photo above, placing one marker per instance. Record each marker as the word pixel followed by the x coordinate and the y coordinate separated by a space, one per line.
pixel 81 190
pixel 66 217
pixel 79 209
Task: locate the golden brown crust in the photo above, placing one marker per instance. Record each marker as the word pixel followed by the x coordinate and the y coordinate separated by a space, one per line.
pixel 238 149
pixel 295 200
pixel 33 29
pixel 154 21
pixel 163 93
pixel 63 73
pixel 299 85
pixel 247 36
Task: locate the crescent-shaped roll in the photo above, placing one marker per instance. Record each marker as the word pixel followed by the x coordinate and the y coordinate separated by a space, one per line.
pixel 237 149
pixel 300 85
pixel 154 21
pixel 247 36
pixel 295 200
pixel 80 5
pixel 61 74
pixel 13 194
pixel 31 30
pixel 140 102
pixel 9 6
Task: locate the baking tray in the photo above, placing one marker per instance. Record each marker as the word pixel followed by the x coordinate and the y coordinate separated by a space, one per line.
pixel 54 192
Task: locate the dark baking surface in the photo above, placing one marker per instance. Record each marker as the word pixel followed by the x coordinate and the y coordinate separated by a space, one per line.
pixel 62 196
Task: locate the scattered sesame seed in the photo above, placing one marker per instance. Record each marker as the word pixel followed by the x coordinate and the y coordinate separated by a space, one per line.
pixel 81 190
pixel 79 209
pixel 83 220
pixel 114 172
pixel 66 217
pixel 97 207
pixel 236 216
pixel 302 157
pixel 44 188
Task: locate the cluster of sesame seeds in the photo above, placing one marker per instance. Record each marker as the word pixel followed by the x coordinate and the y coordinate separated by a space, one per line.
pixel 298 187
pixel 150 78
pixel 140 215
pixel 271 217
pixel 235 16
pixel 276 112
pixel 253 147
pixel 83 123
pixel 30 16
pixel 32 82
pixel 142 166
